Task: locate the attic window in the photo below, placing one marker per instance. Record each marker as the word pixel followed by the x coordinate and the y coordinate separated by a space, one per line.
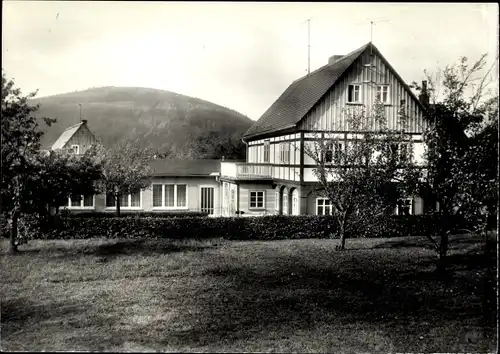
pixel 353 93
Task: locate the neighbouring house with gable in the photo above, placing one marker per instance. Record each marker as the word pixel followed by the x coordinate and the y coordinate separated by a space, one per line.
pixel 76 139
pixel 278 177
pixel 177 185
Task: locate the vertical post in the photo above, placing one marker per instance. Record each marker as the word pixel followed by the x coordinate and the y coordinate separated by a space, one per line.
pixel 308 46
pixel 80 111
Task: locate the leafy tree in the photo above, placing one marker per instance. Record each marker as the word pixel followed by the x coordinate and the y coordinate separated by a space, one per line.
pixel 60 175
pixel 20 143
pixel 125 169
pixel 460 176
pixel 359 176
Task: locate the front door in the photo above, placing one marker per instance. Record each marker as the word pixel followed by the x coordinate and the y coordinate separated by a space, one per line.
pixel 207 200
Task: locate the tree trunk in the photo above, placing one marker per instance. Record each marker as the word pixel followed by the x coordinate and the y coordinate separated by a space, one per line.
pixel 443 250
pixel 118 205
pixel 342 233
pixel 14 228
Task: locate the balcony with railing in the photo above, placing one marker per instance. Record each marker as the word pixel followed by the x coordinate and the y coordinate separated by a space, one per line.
pixel 243 170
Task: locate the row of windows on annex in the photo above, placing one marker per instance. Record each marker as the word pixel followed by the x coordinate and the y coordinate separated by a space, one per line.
pixel 166 196
pixel 381 93
pixel 284 152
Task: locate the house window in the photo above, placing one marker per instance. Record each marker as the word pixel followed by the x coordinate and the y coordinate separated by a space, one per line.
pixel 353 94
pixel 323 206
pixel 405 207
pixel 132 200
pixel 328 152
pixel 338 152
pixel 333 152
pixel 277 200
pixel 383 93
pixel 86 201
pixel 75 149
pixel 400 152
pixel 170 196
pixel 256 199
pixel 285 202
pixel 285 152
pixel 267 151
pixel 295 202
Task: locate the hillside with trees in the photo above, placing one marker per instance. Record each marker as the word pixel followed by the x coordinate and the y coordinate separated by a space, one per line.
pixel 161 120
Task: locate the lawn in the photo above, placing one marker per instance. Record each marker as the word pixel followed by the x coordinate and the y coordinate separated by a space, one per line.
pixel 380 295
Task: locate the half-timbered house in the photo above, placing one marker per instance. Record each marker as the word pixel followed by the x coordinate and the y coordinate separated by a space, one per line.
pixel 277 177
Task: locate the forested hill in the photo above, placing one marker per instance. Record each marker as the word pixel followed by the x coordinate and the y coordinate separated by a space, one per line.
pixel 162 120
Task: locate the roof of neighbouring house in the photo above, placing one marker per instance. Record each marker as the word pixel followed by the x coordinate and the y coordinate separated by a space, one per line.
pixel 179 168
pixel 304 93
pixel 66 135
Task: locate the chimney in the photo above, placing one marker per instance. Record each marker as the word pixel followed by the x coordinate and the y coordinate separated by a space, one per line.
pixel 84 121
pixel 334 58
pixel 424 95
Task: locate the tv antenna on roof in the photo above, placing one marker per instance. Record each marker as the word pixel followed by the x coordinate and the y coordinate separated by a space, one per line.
pixel 374 21
pixel 308 44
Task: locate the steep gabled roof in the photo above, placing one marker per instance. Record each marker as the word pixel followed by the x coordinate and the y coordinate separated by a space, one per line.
pixel 304 93
pixel 301 96
pixel 66 135
pixel 180 168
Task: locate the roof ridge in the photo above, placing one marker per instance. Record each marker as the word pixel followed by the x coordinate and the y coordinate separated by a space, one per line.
pixel 73 126
pixel 363 47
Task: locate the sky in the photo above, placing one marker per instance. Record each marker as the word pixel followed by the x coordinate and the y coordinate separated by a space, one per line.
pixel 239 55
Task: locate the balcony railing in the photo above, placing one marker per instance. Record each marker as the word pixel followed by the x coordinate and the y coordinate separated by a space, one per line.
pixel 242 170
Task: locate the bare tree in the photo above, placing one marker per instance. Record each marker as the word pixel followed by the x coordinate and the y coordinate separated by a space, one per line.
pixel 360 177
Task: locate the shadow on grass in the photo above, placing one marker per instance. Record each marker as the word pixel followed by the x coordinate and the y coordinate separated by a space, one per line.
pixel 297 296
pixel 145 247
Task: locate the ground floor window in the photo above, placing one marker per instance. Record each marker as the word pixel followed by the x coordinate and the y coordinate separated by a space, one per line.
pixel 257 199
pixel 295 203
pixel 277 200
pixel 85 201
pixel 169 196
pixel 132 200
pixel 404 207
pixel 285 202
pixel 323 206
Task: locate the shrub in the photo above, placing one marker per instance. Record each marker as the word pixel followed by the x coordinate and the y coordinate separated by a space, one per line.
pixel 275 227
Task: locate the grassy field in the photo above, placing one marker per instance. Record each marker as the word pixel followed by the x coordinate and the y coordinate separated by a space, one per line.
pixel 280 296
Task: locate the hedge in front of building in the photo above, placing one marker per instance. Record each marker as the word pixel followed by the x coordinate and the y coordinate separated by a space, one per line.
pixel 235 228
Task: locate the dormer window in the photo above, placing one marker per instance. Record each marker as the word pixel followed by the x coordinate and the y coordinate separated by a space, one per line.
pixel 354 94
pixel 75 149
pixel 383 93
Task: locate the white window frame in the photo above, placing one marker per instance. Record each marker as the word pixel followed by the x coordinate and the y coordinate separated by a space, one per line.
pixel 69 206
pixel 277 199
pixel 285 202
pixel 411 205
pixel 324 206
pixel 380 89
pixel 284 152
pixel 129 202
pixel 77 149
pixel 200 194
pixel 267 147
pixel 256 199
pixel 175 207
pixel 295 203
pixel 353 93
